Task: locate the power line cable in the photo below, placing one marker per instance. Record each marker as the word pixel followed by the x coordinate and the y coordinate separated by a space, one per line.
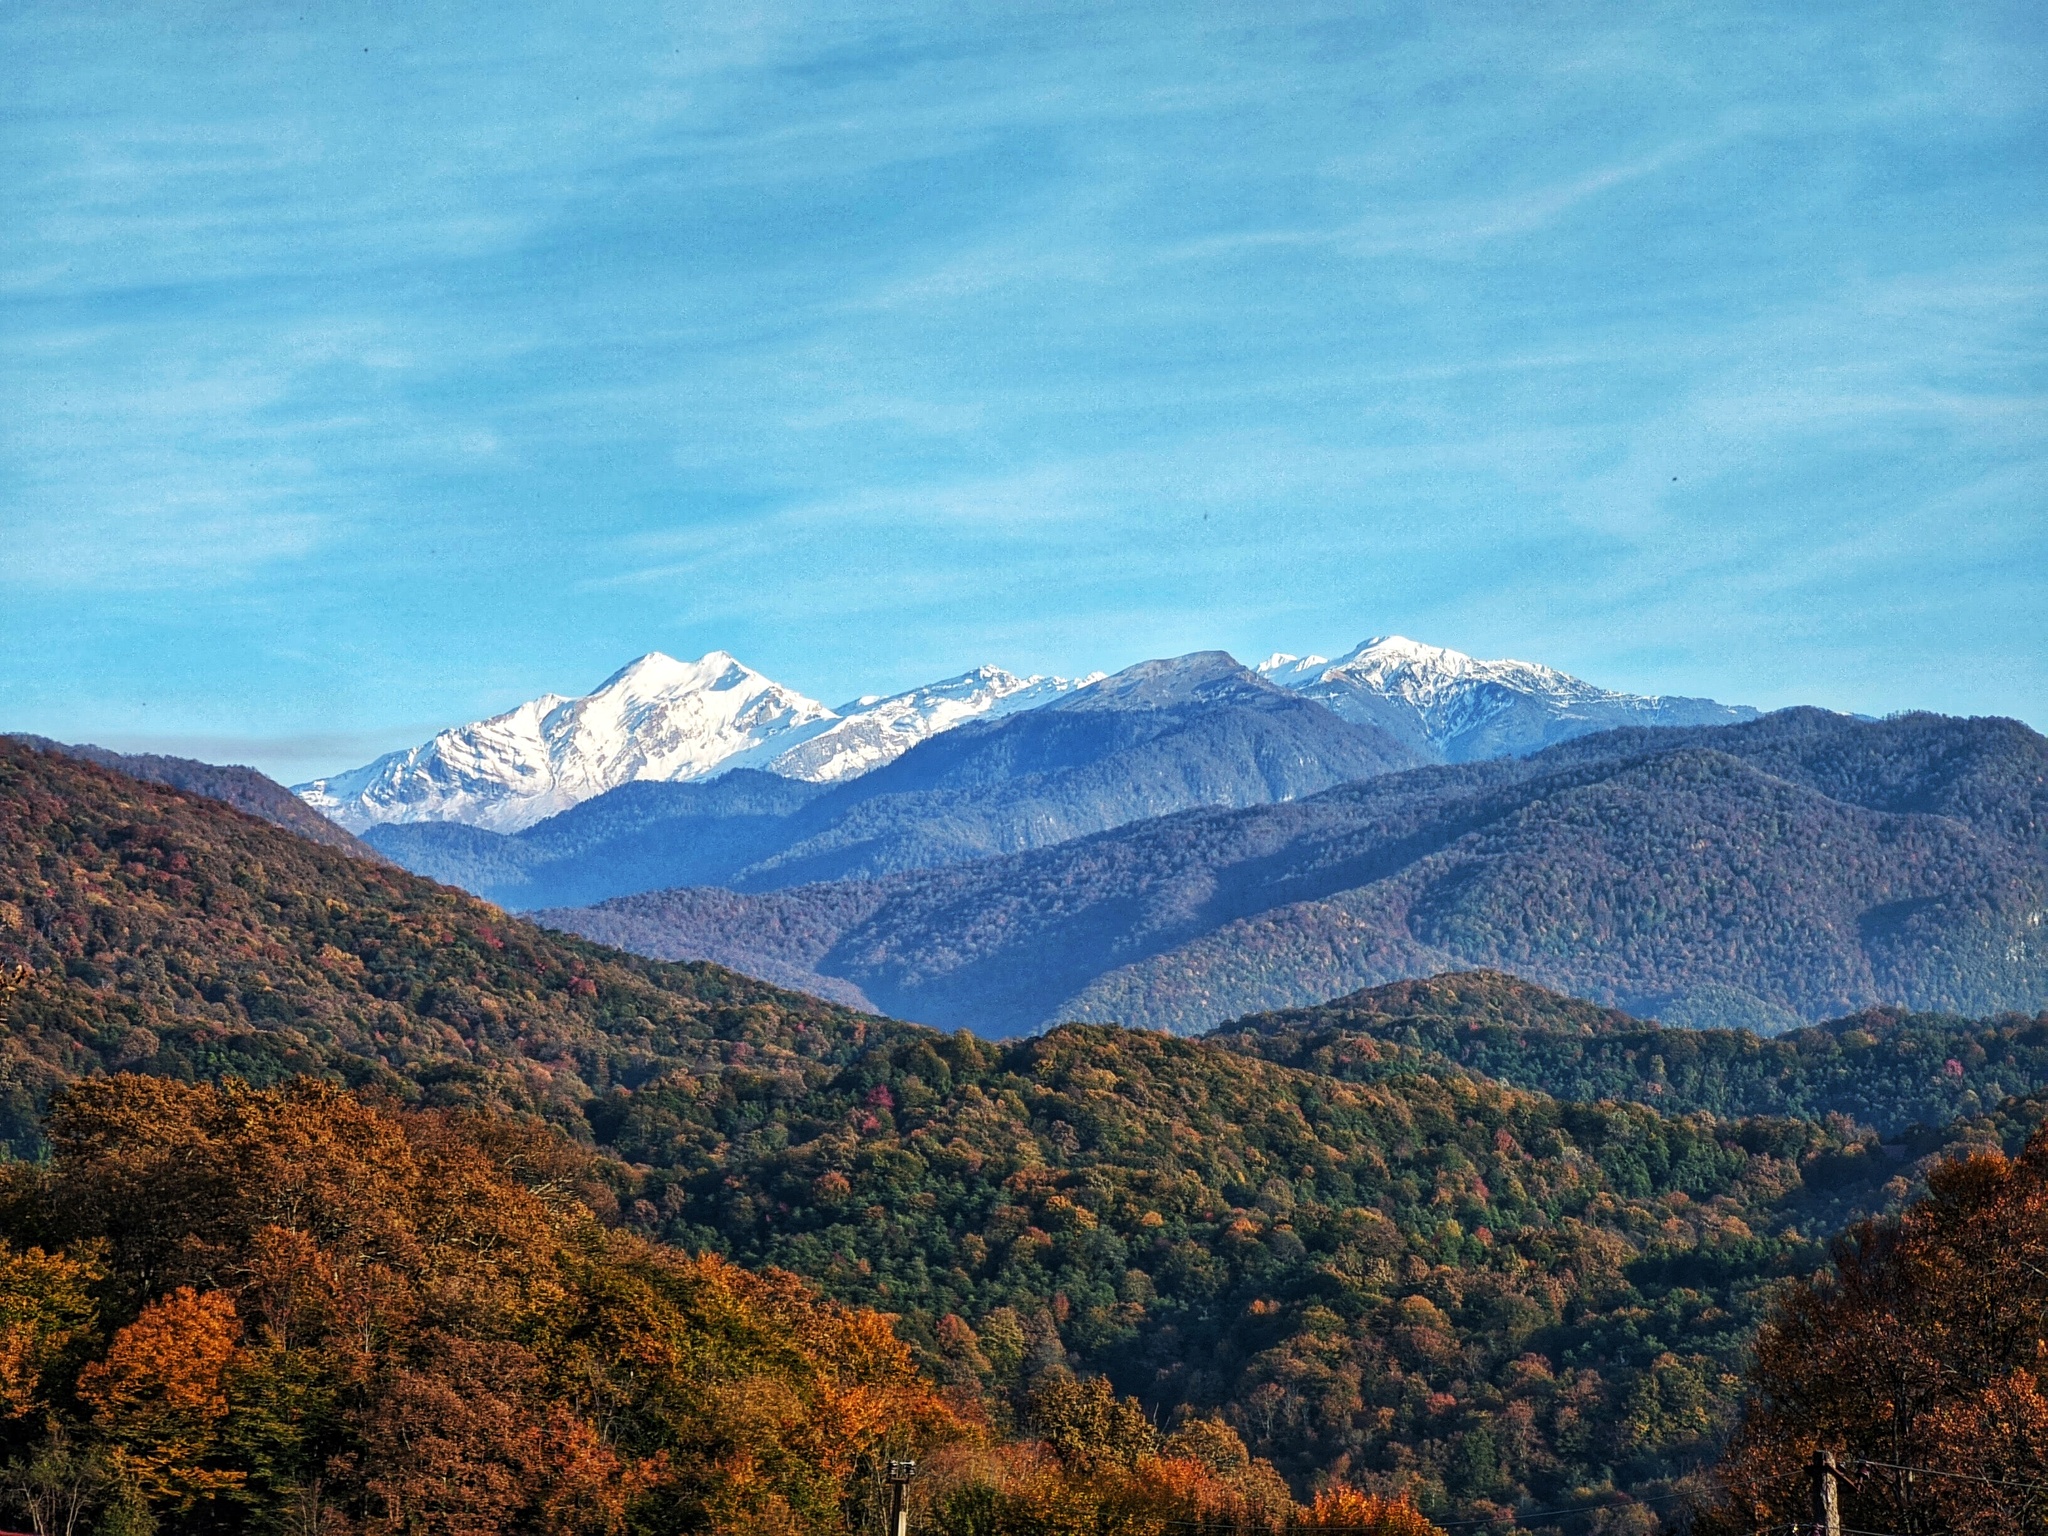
pixel 1968 1477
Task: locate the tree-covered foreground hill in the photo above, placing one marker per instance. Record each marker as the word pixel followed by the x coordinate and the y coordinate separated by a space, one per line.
pixel 155 931
pixel 1886 1068
pixel 1433 1282
pixel 240 1310
pixel 237 1310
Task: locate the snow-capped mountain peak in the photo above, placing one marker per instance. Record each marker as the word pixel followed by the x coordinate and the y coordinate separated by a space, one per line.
pixel 875 730
pixel 655 718
pixel 1457 708
pixel 1416 670
pixel 1290 671
pixel 662 718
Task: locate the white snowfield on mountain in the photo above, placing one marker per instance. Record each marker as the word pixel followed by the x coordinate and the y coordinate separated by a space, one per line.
pixel 660 719
pixel 676 721
pixel 1445 701
pixel 873 731
pixel 1428 674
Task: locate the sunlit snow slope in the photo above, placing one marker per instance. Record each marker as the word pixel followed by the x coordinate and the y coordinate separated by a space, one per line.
pixel 660 719
pixel 1454 708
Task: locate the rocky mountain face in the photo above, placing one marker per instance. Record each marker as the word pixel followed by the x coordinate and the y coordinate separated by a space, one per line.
pixel 1788 869
pixel 1451 708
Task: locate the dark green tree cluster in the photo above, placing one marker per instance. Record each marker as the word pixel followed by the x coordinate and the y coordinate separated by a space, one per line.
pixel 1487 1298
pixel 1885 1068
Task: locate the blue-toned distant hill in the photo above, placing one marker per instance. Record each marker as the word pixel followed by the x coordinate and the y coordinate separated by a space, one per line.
pixel 634 838
pixel 1162 736
pixel 1791 869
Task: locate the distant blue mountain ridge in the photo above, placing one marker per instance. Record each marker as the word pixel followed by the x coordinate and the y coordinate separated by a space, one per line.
pixel 1163 736
pixel 1789 869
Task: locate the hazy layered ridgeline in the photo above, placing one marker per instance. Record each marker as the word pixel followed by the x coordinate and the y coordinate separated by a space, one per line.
pixel 1786 870
pixel 664 720
pixel 1157 738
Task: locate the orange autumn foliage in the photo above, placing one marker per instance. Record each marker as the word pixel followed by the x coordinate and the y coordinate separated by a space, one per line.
pixel 160 1393
pixel 1093 1476
pixel 327 1314
pixel 1346 1509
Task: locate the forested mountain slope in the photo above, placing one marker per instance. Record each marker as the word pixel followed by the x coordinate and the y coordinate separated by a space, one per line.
pixel 237 1310
pixel 243 788
pixel 1791 869
pixel 1159 737
pixel 1884 1068
pixel 157 931
pixel 1435 1282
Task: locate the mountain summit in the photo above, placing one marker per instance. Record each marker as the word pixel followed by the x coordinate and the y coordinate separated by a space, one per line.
pixel 655 719
pixel 872 731
pixel 669 721
pixel 1454 708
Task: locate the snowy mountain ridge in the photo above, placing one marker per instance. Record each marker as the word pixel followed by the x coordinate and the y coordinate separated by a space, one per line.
pixel 1430 676
pixel 872 730
pixel 663 719
pixel 656 718
pixel 1457 708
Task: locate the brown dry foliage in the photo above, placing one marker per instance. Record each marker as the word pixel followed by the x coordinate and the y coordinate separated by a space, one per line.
pixel 1925 1347
pixel 321 1314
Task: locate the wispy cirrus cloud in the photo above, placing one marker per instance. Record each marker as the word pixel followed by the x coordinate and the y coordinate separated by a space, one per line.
pixel 363 370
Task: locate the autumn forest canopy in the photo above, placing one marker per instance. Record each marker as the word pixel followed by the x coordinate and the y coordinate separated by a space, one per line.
pixel 340 1201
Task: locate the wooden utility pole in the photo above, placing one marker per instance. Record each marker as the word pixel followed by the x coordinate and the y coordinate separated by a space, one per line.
pixel 900 1474
pixel 1825 1475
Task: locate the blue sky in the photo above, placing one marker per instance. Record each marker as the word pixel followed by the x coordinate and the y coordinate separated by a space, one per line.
pixel 369 369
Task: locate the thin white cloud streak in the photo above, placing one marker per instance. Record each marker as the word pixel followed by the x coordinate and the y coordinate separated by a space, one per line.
pixel 341 367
